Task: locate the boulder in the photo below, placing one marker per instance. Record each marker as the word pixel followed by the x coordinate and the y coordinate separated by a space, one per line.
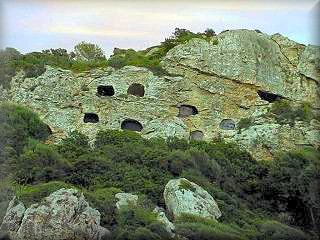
pixel 184 197
pixel 63 215
pixel 126 199
pixel 162 218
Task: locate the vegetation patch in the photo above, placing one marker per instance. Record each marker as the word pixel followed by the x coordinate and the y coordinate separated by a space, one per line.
pixel 249 193
pixel 186 185
pixel 286 113
pixel 245 123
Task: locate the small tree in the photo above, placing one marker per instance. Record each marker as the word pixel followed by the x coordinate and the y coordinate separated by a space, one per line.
pixel 209 32
pixel 88 52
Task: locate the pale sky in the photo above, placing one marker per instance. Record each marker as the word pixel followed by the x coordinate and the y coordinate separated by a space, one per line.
pixel 34 25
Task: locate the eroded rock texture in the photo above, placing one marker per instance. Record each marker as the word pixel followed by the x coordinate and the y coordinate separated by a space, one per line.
pixel 64 215
pixel 237 78
pixel 184 197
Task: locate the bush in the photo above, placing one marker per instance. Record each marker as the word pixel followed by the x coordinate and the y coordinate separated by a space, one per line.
pixel 197 228
pixel 39 163
pixel 245 123
pixel 17 124
pixel 111 137
pixel 288 114
pixel 272 230
pixel 293 182
pixel 87 52
pixel 7 70
pixel 104 200
pixel 30 194
pixel 139 224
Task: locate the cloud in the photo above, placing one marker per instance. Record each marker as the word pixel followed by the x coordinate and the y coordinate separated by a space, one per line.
pixel 98 32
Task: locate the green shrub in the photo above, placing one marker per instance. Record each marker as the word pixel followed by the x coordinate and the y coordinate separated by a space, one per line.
pixel 197 228
pixel 185 185
pixel 17 124
pixel 86 170
pixel 272 230
pixel 30 194
pixel 293 182
pixel 7 69
pixel 115 137
pixel 245 123
pixel 88 52
pixel 139 224
pixel 104 200
pixel 39 163
pixel 286 113
pixel 74 146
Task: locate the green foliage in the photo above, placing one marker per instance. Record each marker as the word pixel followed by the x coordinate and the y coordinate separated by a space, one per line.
pixel 87 168
pixel 104 200
pixel 185 185
pixel 30 194
pixel 136 58
pixel 17 124
pixel 245 123
pixel 110 137
pixel 286 113
pixel 39 163
pixel 124 160
pixel 88 52
pixel 197 228
pixel 137 223
pixel 272 230
pixel 293 182
pixel 7 70
pixel 74 146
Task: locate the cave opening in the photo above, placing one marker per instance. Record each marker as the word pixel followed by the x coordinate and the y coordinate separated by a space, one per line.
pixel 132 125
pixel 196 135
pixel 136 89
pixel 270 97
pixel 227 124
pixel 103 90
pixel 187 110
pixel 49 130
pixel 90 118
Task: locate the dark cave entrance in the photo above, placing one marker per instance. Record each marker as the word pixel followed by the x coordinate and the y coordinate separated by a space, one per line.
pixel 136 89
pixel 132 125
pixel 270 97
pixel 49 130
pixel 227 124
pixel 103 90
pixel 90 118
pixel 196 135
pixel 187 110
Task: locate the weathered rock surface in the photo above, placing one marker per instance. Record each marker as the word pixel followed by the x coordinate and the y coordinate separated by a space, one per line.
pixel 64 215
pixel 162 218
pixel 309 64
pixel 184 197
pixel 220 82
pixel 126 199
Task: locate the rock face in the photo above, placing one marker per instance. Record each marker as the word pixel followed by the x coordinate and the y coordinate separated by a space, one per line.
pixel 184 197
pixel 208 84
pixel 162 218
pixel 64 215
pixel 125 199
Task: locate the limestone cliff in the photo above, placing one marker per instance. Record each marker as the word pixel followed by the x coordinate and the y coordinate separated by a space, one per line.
pixel 210 87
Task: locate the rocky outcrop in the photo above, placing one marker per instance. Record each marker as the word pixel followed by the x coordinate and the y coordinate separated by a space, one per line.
pixel 162 218
pixel 230 79
pixel 126 199
pixel 64 215
pixel 184 197
pixel 309 64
